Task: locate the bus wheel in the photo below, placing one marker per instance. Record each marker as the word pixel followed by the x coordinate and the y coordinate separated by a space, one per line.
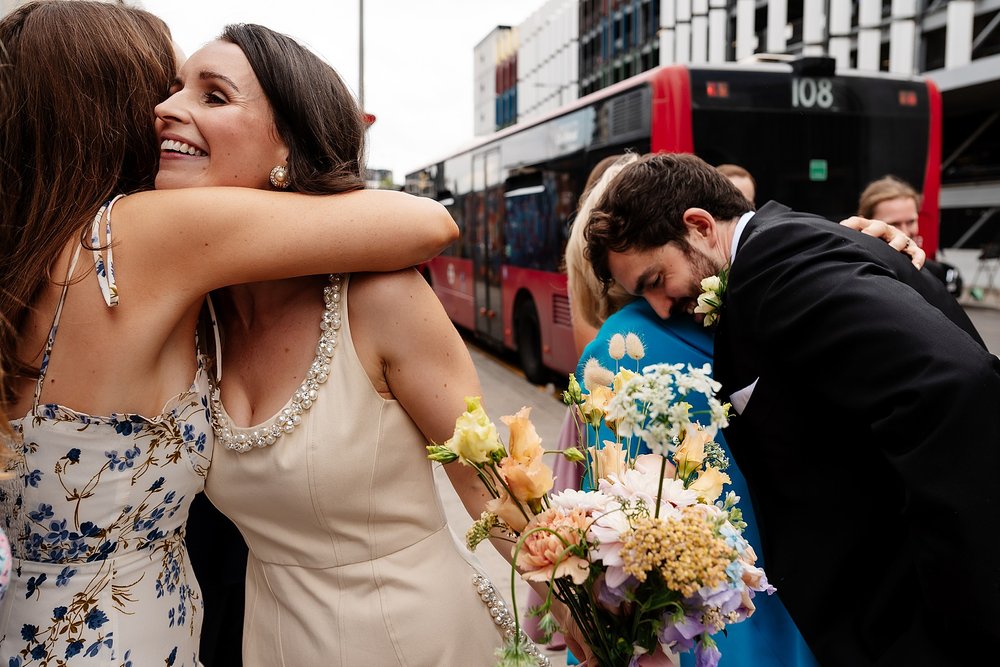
pixel 529 342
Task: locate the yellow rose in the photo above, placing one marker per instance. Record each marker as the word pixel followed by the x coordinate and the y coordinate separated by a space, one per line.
pixel 709 484
pixel 690 453
pixel 623 376
pixel 595 404
pixel 475 437
pixel 609 460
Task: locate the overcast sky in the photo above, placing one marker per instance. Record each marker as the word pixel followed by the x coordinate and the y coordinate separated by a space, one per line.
pixel 418 59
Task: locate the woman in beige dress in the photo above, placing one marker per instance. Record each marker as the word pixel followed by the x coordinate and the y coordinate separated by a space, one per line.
pixel 330 388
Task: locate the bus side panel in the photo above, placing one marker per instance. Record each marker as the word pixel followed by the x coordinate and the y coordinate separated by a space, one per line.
pixel 930 214
pixel 549 293
pixel 671 121
pixel 451 279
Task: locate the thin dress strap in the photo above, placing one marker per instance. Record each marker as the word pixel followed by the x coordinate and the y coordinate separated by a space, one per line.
pixel 108 289
pixel 105 271
pixel 218 339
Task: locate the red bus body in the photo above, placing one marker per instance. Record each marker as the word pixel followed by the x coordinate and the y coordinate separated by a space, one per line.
pixel 811 138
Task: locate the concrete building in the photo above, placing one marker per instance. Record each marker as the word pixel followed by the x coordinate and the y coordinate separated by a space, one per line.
pixel 379 179
pixel 494 75
pixel 548 58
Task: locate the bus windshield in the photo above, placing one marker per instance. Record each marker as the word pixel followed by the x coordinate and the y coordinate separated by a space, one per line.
pixel 811 143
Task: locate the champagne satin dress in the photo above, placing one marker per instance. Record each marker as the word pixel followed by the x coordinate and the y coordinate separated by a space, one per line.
pixel 351 559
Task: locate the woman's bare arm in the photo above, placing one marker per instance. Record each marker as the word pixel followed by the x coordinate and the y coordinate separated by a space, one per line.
pixel 205 238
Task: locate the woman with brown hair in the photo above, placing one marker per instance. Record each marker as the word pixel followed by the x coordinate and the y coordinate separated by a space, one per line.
pixel 330 388
pixel 106 387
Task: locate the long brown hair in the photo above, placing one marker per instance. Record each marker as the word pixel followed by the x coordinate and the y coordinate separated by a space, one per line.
pixel 78 82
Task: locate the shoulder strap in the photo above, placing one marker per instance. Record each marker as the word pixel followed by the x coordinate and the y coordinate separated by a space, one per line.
pixel 105 277
pixel 105 270
pixel 51 340
pixel 218 339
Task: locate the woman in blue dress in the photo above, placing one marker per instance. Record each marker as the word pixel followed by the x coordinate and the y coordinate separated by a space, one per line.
pixel 769 638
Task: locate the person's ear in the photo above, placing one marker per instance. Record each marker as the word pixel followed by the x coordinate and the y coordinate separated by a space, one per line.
pixel 699 223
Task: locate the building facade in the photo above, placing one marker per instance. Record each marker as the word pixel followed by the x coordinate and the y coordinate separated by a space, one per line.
pixel 548 58
pixel 494 74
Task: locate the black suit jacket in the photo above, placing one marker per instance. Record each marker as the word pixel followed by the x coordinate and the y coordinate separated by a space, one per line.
pixel 870 442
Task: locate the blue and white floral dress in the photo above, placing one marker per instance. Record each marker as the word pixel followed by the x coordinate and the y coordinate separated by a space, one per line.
pixel 95 513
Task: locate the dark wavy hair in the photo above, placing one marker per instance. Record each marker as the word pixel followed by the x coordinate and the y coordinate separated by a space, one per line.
pixel 315 113
pixel 78 84
pixel 643 207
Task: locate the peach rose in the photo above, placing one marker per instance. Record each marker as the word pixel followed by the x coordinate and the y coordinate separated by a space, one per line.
pixel 509 511
pixel 527 476
pixel 542 554
pixel 527 481
pixel 524 443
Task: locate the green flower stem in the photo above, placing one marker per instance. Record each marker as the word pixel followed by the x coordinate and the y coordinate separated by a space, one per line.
pixel 583 611
pixel 659 490
pixel 567 547
pixel 487 482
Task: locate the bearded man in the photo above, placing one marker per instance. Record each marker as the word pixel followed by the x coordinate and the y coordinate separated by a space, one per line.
pixel 865 405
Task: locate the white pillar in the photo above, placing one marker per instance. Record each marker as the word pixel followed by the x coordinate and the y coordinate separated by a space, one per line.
pixel 958 38
pixel 717 31
pixel 682 32
pixel 777 19
pixel 869 35
pixel 699 31
pixel 668 37
pixel 746 36
pixel 813 20
pixel 902 33
pixel 840 28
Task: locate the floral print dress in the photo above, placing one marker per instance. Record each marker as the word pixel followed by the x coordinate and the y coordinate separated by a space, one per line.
pixel 95 513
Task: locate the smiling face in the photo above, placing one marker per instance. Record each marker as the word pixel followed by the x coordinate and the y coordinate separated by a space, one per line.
pixel 901 213
pixel 217 127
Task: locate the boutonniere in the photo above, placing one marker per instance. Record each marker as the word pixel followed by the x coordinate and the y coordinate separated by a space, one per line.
pixel 710 299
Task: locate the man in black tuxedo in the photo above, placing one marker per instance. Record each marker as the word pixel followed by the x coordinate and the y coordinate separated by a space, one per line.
pixel 867 410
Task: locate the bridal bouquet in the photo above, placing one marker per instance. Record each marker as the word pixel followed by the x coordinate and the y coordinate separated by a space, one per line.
pixel 651 560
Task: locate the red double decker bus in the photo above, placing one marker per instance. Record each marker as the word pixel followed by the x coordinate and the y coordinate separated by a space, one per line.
pixel 811 137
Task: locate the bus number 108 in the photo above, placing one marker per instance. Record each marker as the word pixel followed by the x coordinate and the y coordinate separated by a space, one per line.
pixel 808 93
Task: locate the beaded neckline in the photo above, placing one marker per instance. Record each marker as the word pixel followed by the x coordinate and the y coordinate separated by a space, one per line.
pixel 244 439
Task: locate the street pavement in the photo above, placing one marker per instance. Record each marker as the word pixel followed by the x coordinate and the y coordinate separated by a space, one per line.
pixel 505 391
pixel 985 315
